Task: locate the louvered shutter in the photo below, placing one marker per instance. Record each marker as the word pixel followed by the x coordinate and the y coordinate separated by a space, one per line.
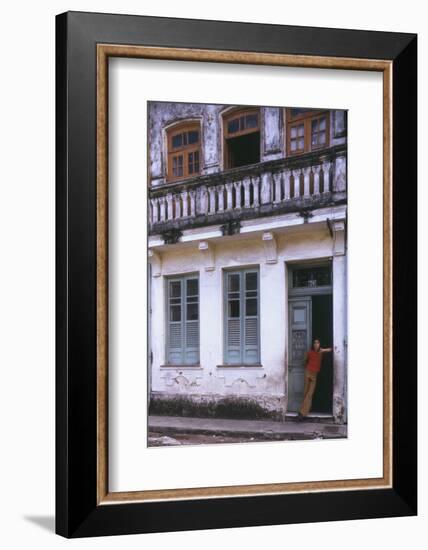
pixel 191 326
pixel 251 317
pixel 175 321
pixel 233 318
pixel 183 321
pixel 242 317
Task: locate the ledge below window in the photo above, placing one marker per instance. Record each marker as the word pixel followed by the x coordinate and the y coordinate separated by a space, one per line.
pixel 241 366
pixel 181 367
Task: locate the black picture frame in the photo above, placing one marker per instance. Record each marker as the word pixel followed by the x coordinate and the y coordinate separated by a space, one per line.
pixel 77 511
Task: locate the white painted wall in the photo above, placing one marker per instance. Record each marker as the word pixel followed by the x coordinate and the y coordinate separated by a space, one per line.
pixel 268 383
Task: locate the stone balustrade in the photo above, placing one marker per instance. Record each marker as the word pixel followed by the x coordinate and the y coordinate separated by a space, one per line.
pixel 251 190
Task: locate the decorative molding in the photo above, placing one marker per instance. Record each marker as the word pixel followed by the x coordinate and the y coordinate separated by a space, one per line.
pixel 231 227
pixel 155 260
pixel 339 245
pixel 172 236
pixel 207 249
pixel 305 213
pixel 269 243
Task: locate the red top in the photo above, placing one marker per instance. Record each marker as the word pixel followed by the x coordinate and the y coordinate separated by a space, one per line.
pixel 314 360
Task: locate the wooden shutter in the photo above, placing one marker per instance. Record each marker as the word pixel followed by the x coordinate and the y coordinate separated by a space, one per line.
pixel 183 320
pixel 251 316
pixel 233 318
pixel 191 320
pixel 242 317
pixel 175 321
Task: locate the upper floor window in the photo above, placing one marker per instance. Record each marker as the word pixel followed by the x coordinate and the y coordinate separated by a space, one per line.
pixel 241 129
pixel 307 130
pixel 184 144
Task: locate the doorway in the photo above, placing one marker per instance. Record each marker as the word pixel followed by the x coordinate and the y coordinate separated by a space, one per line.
pixel 310 316
pixel 322 328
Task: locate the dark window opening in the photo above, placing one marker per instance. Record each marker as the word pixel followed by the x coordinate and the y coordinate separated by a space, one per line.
pixel 312 277
pixel 243 150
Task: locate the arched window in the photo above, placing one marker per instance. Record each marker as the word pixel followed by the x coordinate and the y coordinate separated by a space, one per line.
pixel 184 144
pixel 241 130
pixel 307 130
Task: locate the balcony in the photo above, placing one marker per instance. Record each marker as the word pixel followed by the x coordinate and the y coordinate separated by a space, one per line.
pixel 295 184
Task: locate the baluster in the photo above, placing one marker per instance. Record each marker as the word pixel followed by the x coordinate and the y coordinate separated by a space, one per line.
pixel 296 176
pixel 192 203
pixel 306 181
pixel 266 190
pixel 247 183
pixel 170 207
pixel 162 203
pixel 177 206
pixel 152 209
pixel 203 200
pixel 220 194
pixel 316 171
pixel 326 171
pixel 277 181
pixel 256 182
pixel 229 187
pixel 212 200
pixel 287 174
pixel 238 185
pixel 184 201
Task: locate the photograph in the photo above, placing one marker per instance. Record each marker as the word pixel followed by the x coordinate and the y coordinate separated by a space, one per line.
pixel 213 275
pixel 247 280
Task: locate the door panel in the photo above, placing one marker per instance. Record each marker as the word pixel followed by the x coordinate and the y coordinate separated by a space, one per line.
pixel 299 316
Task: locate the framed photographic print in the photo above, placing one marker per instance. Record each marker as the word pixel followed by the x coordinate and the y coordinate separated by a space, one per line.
pixel 236 274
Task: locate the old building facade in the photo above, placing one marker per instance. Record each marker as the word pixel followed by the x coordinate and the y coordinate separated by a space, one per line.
pixel 247 252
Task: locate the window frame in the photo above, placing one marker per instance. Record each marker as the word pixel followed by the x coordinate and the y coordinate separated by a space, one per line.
pixel 306 119
pixel 184 150
pixel 242 271
pixel 314 264
pixel 182 278
pixel 229 115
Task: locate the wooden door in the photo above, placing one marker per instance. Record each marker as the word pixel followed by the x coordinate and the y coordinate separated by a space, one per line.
pixel 299 319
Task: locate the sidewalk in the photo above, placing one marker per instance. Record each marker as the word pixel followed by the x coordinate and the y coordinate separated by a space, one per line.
pixel 266 429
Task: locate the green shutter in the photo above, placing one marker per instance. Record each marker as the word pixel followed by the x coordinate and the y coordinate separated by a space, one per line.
pixel 175 321
pixel 233 317
pixel 251 317
pixel 242 317
pixel 191 320
pixel 183 320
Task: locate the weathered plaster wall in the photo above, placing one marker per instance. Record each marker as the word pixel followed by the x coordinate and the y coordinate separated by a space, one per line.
pixel 267 243
pixel 162 115
pixel 266 384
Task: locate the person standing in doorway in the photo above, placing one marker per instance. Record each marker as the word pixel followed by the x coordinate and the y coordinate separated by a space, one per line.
pixel 313 359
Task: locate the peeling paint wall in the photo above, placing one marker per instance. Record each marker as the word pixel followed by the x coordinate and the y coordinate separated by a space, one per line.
pixel 268 383
pixel 162 115
pixel 267 243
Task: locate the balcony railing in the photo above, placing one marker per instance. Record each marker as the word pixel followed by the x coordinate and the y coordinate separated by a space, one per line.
pixel 260 189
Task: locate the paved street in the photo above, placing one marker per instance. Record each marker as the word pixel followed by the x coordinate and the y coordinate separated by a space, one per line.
pixel 172 430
